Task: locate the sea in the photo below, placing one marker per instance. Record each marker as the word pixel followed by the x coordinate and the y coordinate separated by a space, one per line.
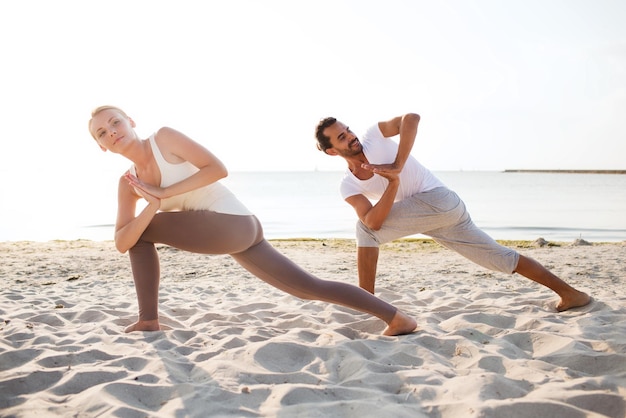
pixel 507 205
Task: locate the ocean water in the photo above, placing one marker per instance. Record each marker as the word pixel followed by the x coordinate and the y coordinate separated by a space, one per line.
pixel 516 206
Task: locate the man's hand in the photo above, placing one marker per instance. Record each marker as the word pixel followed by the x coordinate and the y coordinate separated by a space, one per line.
pixel 373 216
pixel 388 171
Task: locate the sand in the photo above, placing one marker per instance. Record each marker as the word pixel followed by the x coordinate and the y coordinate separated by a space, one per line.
pixel 488 344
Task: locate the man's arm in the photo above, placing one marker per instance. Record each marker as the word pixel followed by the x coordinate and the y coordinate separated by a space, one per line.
pixel 406 127
pixel 373 216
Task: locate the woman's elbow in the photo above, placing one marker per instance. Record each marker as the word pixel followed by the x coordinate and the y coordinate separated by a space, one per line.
pixel 224 172
pixel 217 172
pixel 120 245
pixel 121 248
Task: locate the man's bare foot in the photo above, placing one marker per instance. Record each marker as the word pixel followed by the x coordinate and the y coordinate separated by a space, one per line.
pixel 151 325
pixel 400 324
pixel 575 300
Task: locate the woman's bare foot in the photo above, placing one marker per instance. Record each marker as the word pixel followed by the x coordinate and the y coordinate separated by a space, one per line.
pixel 574 300
pixel 400 324
pixel 151 325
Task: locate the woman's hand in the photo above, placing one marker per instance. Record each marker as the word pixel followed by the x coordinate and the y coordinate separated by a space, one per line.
pixel 152 194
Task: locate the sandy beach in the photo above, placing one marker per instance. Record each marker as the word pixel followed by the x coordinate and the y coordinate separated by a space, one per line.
pixel 488 344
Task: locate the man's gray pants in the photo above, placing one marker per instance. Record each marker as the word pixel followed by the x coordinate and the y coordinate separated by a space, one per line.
pixel 440 214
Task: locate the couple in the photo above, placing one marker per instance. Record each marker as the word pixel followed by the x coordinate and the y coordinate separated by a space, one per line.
pixel 187 208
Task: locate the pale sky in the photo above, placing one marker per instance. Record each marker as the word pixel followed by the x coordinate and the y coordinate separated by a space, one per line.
pixel 499 84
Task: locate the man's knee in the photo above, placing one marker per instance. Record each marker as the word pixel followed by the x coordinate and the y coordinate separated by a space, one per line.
pixel 365 237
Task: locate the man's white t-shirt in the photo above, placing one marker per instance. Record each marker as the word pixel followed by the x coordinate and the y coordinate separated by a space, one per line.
pixel 414 178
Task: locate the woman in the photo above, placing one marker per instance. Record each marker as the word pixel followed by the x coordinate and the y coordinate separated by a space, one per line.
pixel 188 209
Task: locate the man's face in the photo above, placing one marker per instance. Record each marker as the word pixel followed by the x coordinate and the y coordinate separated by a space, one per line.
pixel 344 141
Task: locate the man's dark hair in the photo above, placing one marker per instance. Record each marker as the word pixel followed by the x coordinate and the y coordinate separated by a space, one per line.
pixel 323 141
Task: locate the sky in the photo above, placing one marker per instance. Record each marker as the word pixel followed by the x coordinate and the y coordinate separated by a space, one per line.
pixel 532 84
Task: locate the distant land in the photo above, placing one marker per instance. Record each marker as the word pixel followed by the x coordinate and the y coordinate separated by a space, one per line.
pixel 569 171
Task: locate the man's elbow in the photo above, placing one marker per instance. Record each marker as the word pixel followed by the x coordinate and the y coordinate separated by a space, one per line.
pixel 374 226
pixel 412 117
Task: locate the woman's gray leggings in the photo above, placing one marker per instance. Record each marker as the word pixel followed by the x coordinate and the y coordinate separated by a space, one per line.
pixel 209 232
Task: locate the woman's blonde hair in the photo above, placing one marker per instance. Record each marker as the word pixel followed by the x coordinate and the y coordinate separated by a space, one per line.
pixel 101 109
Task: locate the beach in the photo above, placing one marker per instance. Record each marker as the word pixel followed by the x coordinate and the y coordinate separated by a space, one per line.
pixel 487 344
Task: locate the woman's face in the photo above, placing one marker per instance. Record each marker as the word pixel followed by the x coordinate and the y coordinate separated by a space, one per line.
pixel 112 130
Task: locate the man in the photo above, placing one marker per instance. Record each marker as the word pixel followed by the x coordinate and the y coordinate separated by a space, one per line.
pixel 409 200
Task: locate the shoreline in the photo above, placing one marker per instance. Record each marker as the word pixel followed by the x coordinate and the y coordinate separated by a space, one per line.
pixel 522 243
pixel 566 171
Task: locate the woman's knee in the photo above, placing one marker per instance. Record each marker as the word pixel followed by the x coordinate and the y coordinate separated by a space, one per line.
pixel 141 246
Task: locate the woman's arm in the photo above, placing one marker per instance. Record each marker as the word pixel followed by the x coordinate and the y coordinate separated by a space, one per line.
pixel 176 148
pixel 128 227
